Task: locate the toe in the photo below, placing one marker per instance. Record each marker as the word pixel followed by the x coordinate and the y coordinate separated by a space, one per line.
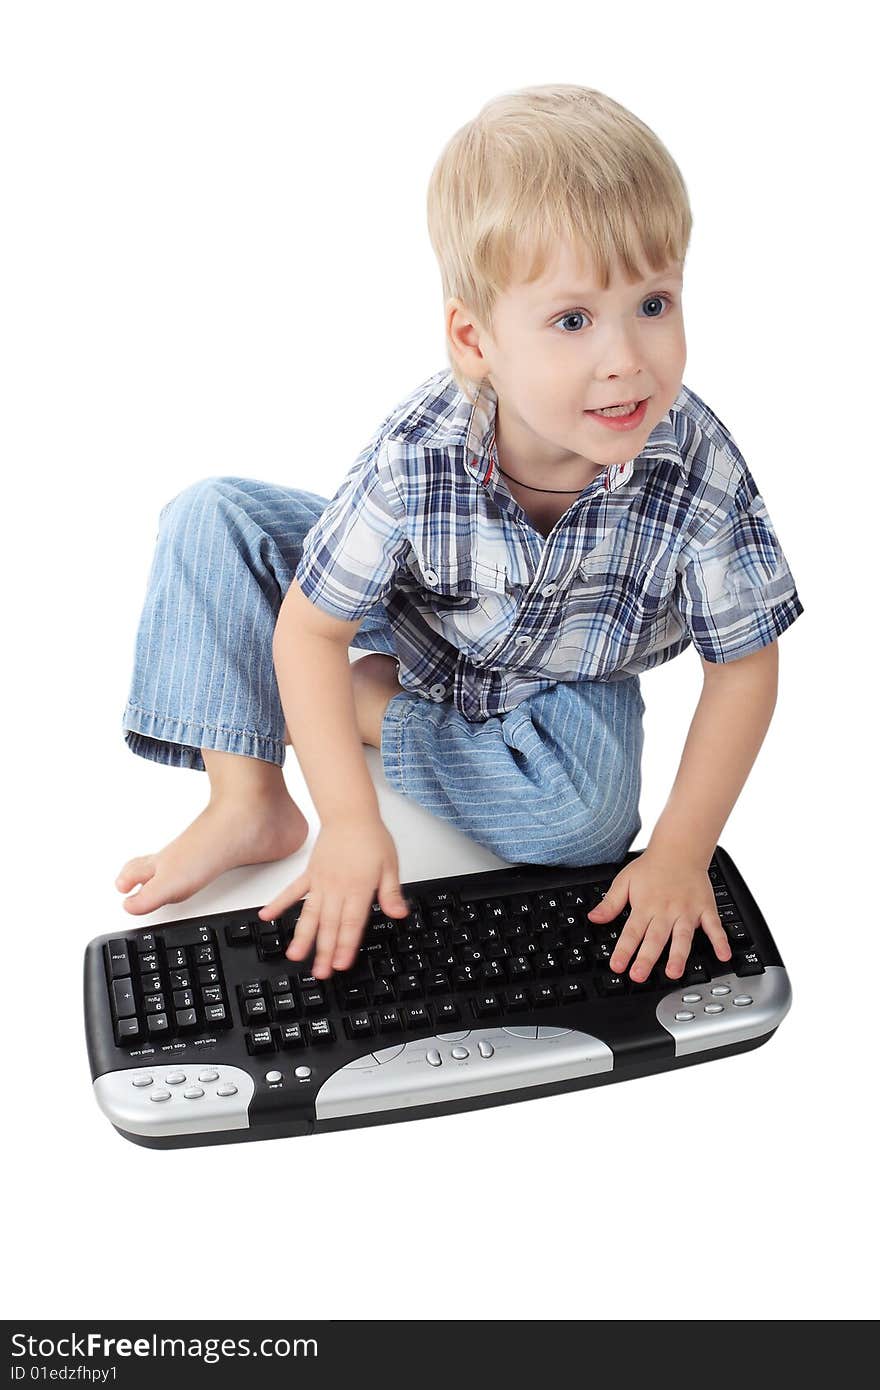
pixel 147 899
pixel 136 871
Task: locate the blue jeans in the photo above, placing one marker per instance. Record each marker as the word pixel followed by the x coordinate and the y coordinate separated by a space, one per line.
pixel 555 781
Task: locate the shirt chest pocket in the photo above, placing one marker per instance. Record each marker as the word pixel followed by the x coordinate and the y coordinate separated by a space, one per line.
pixel 637 597
pixel 469 602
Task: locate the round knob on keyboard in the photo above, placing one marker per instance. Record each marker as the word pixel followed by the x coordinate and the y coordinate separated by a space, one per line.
pixel 175 1078
pixel 459 1053
pixel 713 1009
pixel 742 999
pixel 142 1081
pixel 160 1095
pixel 227 1089
pixel 683 1016
pixel 303 1073
pixel 193 1093
pixel 434 1057
pixel 273 1077
pixel 486 1048
pixel 209 1075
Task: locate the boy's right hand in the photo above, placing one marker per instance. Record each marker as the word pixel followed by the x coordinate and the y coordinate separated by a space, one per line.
pixel 349 861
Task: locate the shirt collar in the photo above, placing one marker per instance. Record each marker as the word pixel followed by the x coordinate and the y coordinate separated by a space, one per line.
pixel 478 430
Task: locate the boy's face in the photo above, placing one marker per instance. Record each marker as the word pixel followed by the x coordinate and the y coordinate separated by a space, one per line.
pixel 561 348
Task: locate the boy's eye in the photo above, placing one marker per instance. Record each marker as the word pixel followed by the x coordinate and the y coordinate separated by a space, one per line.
pixel 654 299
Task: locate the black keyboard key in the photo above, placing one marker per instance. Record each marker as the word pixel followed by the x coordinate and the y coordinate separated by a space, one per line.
pixel 117 955
pixel 204 955
pixel 749 963
pixel 127 1030
pixel 157 1024
pixel 486 1005
pixel 260 1040
pixel 437 982
pixel 252 989
pixel 416 1016
pixel 146 941
pixel 148 963
pixel 515 999
pixel 445 1011
pixel 389 1021
pixel 186 1018
pixel 151 983
pixel 190 934
pixel 255 1010
pixel 320 1030
pixel 208 975
pixel 382 992
pixel 352 997
pixel 465 976
pixel 409 987
pixel 291 1035
pixel 215 1015
pixel 548 964
pixel 123 999
pixel 543 994
pixel 695 973
pixel 285 1006
pixel 570 991
pixel 177 958
pixel 183 999
pixel 239 935
pixel 313 999
pixel 212 994
pixel 268 946
pixel 280 984
pixel 737 934
pixel 359 1026
pixel 154 1003
pixel 608 983
pixel 180 979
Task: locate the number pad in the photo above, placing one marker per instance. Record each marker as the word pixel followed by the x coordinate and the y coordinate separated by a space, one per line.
pixel 159 997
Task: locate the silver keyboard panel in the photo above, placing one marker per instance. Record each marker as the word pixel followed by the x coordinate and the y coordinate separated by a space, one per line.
pixel 728 1009
pixel 156 1102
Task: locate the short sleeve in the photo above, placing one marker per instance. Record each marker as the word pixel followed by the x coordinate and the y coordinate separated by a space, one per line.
pixel 736 591
pixel 350 555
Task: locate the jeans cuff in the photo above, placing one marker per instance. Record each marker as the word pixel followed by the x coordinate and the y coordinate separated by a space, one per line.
pixel 162 738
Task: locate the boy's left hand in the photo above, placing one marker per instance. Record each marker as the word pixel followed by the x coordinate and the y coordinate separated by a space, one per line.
pixel 667 893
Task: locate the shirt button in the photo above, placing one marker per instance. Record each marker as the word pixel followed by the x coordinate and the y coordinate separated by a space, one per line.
pixel 437 692
pixel 431 577
pixel 523 641
pixel 548 590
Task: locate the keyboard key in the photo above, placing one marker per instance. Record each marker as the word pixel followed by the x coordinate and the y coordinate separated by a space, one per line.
pixel 607 983
pixel 543 994
pixel 486 1005
pixel 389 1021
pixel 260 1040
pixel 212 994
pixel 148 963
pixel 186 1019
pixel 359 1026
pixel 255 1010
pixel 151 984
pixel 252 989
pixel 188 934
pixel 207 975
pixel 183 999
pixel 409 987
pixel 177 959
pixel 445 1011
pixel 180 979
pixel 123 999
pixel 157 1023
pixel 239 935
pixel 416 1016
pixel 285 1006
pixel 117 955
pixel 280 984
pixel 516 999
pixel 154 1003
pixel 215 1015
pixel 749 963
pixel 313 999
pixel 291 1035
pixel 570 991
pixel 320 1030
pixel 127 1030
pixel 146 941
pixel 204 955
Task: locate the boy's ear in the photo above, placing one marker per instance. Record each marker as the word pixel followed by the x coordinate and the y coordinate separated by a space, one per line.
pixel 464 333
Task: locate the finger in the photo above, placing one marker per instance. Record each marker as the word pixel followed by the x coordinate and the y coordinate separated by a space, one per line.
pixel 711 923
pixel 306 927
pixel 655 939
pixel 328 930
pixel 283 900
pixel 612 904
pixel 352 922
pixel 682 936
pixel 626 943
pixel 391 899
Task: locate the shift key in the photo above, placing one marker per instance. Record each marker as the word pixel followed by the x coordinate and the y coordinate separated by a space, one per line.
pixel 123 999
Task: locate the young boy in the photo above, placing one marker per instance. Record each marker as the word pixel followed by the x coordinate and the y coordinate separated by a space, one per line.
pixel 513 545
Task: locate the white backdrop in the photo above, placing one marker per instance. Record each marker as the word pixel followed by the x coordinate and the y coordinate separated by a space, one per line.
pixel 215 260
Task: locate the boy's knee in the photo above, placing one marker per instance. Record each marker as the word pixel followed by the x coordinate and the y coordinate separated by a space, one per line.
pixel 207 492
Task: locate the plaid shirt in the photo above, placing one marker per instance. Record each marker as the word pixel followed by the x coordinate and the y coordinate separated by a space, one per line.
pixel 675 546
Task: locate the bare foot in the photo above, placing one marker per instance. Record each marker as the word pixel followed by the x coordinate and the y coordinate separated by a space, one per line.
pixel 228 833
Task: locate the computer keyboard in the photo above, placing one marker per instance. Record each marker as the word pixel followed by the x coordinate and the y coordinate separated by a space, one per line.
pixel 494 988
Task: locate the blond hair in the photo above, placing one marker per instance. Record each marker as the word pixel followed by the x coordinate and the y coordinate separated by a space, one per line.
pixel 543 165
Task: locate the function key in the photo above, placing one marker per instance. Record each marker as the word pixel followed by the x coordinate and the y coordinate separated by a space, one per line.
pixel 416 1016
pixel 389 1021
pixel 749 963
pixel 446 1011
pixel 117 956
pixel 359 1026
